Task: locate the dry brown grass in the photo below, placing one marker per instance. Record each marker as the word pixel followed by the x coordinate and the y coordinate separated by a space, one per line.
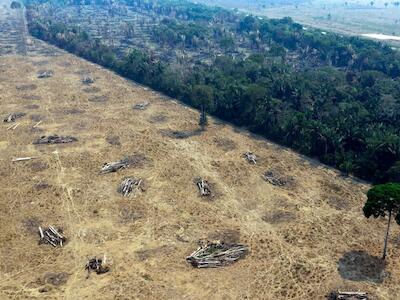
pixel 305 239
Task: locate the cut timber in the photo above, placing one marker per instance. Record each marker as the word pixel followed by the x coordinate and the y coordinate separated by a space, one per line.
pixel 339 295
pixel 250 157
pixel 54 139
pixel 37 124
pixel 204 187
pixel 216 254
pixel 129 186
pixel 12 127
pixel 51 236
pixel 22 159
pixel 114 166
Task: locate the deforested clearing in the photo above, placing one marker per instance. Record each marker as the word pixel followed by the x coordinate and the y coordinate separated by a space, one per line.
pixel 304 240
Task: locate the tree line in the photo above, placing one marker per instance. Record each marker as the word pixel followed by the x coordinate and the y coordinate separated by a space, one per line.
pixel 344 109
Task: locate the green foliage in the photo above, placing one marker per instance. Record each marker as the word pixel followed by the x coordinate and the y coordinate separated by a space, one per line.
pixel 382 199
pixel 203 96
pixel 393 174
pixel 342 105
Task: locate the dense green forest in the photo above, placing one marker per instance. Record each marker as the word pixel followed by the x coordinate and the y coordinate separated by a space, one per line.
pixel 344 108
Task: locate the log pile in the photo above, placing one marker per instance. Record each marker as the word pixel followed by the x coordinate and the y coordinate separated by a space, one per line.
pixel 11 118
pixel 250 157
pixel 51 236
pixel 87 80
pixel 114 166
pixel 348 296
pixel 129 186
pixel 274 179
pixel 98 265
pixel 216 254
pixel 141 105
pixel 54 139
pixel 45 74
pixel 204 187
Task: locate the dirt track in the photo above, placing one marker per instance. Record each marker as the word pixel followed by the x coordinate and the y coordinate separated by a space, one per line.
pixel 306 239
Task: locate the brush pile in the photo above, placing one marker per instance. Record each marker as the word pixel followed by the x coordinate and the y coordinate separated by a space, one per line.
pixel 54 139
pixel 348 296
pixel 51 236
pixel 87 80
pixel 141 105
pixel 274 179
pixel 129 186
pixel 114 166
pixel 216 254
pixel 45 74
pixel 250 157
pixel 204 187
pixel 97 265
pixel 13 117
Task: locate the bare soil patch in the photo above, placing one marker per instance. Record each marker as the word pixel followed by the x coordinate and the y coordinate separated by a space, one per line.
pixel 31 97
pixel 99 99
pixel 151 234
pixel 225 144
pixel 55 279
pixel 360 266
pixel 91 89
pixel 180 134
pixel 26 87
pixel 113 140
pixel 158 119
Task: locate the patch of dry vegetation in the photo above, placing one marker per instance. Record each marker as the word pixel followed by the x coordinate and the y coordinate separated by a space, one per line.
pixel 304 240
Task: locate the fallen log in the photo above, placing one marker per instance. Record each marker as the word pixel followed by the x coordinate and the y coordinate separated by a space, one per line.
pixel 12 127
pixel 114 166
pixel 37 124
pixel 22 159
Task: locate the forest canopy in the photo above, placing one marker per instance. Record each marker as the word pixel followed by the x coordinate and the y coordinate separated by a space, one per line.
pixel 327 96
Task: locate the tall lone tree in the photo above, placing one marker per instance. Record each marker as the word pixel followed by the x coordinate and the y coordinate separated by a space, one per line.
pixel 203 97
pixel 384 199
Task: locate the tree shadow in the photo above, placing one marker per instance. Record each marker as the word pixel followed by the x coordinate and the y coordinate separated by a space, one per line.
pixel 360 266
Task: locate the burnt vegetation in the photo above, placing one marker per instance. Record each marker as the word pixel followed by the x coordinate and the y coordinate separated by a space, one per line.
pixel 324 95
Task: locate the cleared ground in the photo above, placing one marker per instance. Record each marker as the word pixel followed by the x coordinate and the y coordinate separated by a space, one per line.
pixel 306 239
pixel 344 17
